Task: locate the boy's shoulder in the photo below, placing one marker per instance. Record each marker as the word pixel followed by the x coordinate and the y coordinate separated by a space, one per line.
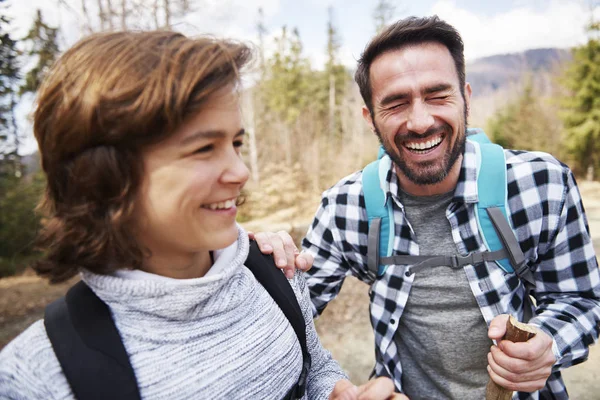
pixel 29 367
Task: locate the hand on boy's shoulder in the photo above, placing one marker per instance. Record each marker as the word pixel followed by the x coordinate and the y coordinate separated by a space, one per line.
pixel 284 250
pixel 381 388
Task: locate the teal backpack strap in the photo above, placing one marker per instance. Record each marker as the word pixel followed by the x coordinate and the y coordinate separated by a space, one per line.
pixel 380 215
pixel 492 193
pixel 492 218
pixel 491 210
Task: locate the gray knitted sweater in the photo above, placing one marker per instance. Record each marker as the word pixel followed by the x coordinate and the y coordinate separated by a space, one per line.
pixel 219 336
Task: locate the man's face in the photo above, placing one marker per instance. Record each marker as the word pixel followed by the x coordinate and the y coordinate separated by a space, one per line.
pixel 419 113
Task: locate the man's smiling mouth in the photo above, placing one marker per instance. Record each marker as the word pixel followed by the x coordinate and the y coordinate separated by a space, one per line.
pixel 421 147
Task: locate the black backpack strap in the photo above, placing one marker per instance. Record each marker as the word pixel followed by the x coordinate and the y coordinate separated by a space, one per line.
pixel 275 283
pixel 89 347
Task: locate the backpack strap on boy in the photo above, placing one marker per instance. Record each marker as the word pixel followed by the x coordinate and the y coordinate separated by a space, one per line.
pixel 275 282
pixel 91 353
pixel 491 215
pixel 89 348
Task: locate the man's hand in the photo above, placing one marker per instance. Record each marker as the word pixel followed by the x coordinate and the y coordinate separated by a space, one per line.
pixel 524 366
pixel 376 389
pixel 285 252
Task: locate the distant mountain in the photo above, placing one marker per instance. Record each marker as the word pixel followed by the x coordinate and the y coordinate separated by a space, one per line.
pixel 489 74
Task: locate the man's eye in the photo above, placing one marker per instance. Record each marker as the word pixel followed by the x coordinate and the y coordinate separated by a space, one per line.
pixel 439 98
pixel 396 106
pixel 238 143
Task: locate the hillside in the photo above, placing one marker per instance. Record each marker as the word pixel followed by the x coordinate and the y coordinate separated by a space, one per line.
pixel 497 79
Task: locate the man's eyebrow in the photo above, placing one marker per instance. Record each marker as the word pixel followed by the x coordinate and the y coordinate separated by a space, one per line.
pixel 211 134
pixel 391 98
pixel 441 87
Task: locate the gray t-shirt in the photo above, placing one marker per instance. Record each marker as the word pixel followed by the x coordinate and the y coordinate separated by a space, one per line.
pixel 442 336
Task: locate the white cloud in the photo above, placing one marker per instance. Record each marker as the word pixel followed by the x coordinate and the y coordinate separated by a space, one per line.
pixel 560 24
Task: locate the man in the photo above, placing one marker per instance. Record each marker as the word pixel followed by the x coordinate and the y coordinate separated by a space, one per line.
pixel 434 328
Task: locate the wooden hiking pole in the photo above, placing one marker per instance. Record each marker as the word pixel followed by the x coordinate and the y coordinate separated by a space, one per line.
pixel 515 332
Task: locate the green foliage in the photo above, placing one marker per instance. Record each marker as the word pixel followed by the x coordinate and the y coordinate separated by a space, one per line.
pixel 18 221
pixel 528 123
pixel 9 76
pixel 286 87
pixel 42 39
pixel 581 114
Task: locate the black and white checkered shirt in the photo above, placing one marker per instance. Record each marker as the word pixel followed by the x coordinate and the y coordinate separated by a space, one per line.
pixel 548 218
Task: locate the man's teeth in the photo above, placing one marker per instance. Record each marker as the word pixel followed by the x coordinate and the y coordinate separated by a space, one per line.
pixel 223 205
pixel 424 145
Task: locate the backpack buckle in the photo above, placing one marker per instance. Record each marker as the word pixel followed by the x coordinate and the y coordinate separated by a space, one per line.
pixel 459 261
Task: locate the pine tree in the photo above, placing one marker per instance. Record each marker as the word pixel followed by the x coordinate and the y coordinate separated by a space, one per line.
pixel 527 123
pixel 336 77
pixel 383 14
pixel 43 45
pixel 9 77
pixel 582 106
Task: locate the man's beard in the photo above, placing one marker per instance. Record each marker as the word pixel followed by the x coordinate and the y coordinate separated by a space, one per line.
pixel 427 173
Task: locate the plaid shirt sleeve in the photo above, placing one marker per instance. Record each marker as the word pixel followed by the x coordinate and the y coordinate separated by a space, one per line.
pixel 336 240
pixel 568 281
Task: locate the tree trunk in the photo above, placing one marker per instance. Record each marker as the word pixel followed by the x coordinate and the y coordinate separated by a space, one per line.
pixel 155 14
pixel 331 105
pixel 166 6
pixel 124 14
pixel 101 15
pixel 86 15
pixel 110 13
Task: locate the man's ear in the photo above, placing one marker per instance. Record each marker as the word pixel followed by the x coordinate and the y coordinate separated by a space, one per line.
pixel 368 118
pixel 468 92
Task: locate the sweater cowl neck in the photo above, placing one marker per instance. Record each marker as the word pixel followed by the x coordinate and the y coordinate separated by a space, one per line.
pixel 150 300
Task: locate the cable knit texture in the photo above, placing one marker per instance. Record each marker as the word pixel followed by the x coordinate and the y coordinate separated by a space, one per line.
pixel 220 336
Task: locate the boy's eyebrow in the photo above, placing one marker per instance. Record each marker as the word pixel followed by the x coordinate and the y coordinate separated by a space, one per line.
pixel 210 134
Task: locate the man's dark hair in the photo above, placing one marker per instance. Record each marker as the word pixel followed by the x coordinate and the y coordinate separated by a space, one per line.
pixel 410 31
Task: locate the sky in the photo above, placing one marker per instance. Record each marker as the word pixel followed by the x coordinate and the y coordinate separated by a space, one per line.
pixel 487 27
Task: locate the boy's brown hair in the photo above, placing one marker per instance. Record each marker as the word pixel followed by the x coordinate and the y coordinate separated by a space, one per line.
pixel 106 98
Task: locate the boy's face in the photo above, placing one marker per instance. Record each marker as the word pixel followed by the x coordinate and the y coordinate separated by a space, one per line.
pixel 191 183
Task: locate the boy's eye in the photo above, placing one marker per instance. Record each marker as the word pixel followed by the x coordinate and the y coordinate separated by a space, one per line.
pixel 203 149
pixel 238 143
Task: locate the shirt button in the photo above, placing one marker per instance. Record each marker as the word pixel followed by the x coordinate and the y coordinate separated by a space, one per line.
pixel 393 321
pixel 408 272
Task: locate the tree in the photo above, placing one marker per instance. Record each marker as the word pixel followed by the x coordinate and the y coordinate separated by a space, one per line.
pixel 383 14
pixel 528 123
pixel 582 106
pixel 9 77
pixel 42 39
pixel 336 75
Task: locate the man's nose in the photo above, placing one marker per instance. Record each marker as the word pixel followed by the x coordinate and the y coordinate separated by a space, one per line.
pixel 419 118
